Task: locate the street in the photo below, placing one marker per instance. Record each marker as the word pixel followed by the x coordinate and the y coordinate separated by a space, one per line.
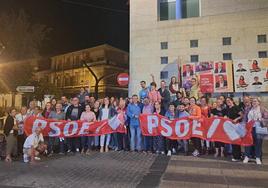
pixel 129 169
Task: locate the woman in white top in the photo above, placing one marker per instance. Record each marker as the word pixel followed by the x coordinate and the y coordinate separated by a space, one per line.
pixel 106 112
pixel 255 114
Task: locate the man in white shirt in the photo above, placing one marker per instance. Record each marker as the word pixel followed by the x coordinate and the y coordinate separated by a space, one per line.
pixel 33 146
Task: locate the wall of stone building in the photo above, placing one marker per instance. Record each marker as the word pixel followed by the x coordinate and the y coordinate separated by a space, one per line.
pixel 243 24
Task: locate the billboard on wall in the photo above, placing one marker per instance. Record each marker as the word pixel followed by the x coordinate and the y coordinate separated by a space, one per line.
pixel 251 75
pixel 212 76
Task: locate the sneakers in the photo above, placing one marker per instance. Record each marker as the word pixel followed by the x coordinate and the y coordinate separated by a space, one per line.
pixel 258 161
pixel 196 153
pixel 162 153
pixel 169 153
pixel 234 160
pixel 25 158
pixel 37 158
pixel 77 150
pixel 246 160
pixel 173 150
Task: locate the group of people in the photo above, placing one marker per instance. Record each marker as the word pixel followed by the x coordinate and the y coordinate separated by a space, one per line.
pixel 170 101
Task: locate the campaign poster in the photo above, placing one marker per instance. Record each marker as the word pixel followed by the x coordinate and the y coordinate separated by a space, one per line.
pixel 251 75
pixel 212 76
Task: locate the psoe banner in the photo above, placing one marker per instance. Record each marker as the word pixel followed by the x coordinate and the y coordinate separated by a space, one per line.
pixel 60 128
pixel 212 129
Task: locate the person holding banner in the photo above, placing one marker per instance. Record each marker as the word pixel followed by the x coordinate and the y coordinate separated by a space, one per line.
pixel 133 112
pixel 57 115
pixel 195 113
pixel 219 111
pixel 256 115
pixel 171 144
pixel 73 114
pixel 159 140
pixel 234 113
pixel 86 141
pixel 106 112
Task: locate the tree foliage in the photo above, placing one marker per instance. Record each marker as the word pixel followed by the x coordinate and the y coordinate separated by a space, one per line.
pixel 21 38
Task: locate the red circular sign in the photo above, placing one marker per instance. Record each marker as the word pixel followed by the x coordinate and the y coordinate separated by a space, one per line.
pixel 123 79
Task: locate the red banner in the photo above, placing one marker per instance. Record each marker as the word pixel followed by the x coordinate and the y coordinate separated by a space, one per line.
pixel 60 128
pixel 212 129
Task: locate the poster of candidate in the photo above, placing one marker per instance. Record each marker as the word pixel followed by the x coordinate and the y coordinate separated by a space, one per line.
pixel 212 76
pixel 251 75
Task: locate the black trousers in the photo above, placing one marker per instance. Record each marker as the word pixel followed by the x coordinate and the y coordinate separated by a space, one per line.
pixel 21 140
pixel 236 151
pixel 171 144
pixel 196 143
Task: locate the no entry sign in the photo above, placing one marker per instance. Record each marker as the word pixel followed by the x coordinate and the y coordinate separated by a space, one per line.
pixel 123 79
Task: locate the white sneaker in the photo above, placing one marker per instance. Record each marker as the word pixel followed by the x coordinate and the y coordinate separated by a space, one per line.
pixel 173 150
pixel 37 158
pixel 169 153
pixel 162 152
pixel 25 158
pixel 234 160
pixel 77 149
pixel 258 161
pixel 195 153
pixel 246 160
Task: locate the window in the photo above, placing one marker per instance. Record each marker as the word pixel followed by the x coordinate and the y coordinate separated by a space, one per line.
pixel 194 58
pixel 167 9
pixel 262 54
pixel 190 8
pixel 164 45
pixel 227 56
pixel 262 39
pixel 226 41
pixel 177 9
pixel 164 60
pixel 163 75
pixel 193 43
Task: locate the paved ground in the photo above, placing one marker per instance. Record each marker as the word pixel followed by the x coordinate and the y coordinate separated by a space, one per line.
pixel 209 173
pixel 125 169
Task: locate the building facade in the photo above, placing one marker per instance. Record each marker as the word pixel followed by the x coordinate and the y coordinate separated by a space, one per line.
pixel 69 72
pixel 168 31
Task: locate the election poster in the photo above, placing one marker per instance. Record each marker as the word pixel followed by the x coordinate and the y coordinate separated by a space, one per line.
pixel 212 76
pixel 251 75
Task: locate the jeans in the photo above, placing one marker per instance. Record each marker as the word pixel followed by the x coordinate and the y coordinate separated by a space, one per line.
pixel 102 139
pixel 184 144
pixel 52 141
pixel 148 143
pixel 86 142
pixel 114 141
pixel 97 140
pixel 122 140
pixel 159 143
pixel 135 138
pixel 257 146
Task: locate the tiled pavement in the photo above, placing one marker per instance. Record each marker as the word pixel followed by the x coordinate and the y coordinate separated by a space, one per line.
pixel 126 169
pixel 113 169
pixel 209 173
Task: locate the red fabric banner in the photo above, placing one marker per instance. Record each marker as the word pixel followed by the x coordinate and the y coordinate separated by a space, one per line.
pixel 61 128
pixel 212 129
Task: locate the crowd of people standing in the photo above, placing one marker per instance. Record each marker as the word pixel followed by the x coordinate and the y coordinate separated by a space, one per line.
pixel 170 101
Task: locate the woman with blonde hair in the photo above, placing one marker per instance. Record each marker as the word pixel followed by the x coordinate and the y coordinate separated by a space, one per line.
pixel 256 114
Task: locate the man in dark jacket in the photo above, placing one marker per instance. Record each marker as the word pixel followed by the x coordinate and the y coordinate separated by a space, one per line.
pixel 165 96
pixel 73 114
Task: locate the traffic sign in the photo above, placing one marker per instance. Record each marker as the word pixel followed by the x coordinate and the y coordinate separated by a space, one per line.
pixel 123 79
pixel 25 89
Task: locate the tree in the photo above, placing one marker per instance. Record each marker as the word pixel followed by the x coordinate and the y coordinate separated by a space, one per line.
pixel 21 38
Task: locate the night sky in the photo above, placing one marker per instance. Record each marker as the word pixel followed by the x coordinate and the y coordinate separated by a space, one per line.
pixel 77 26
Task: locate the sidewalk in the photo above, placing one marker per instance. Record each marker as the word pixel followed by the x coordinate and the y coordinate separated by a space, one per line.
pixel 208 172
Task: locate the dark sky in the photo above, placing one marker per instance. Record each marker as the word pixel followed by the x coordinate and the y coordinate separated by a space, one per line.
pixel 77 26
